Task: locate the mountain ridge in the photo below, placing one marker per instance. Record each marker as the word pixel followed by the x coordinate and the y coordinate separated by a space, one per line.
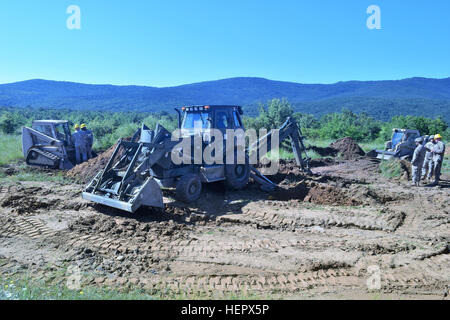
pixel 246 91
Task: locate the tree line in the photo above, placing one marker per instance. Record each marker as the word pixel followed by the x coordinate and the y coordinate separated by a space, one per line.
pixel 108 127
pixel 359 126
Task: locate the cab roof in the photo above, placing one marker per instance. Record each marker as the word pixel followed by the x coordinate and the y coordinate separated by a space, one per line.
pixel 50 121
pixel 212 106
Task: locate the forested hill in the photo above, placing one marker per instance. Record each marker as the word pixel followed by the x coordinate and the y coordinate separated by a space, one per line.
pixel 382 99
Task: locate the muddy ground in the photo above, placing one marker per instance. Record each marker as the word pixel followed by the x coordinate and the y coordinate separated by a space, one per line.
pixel 324 236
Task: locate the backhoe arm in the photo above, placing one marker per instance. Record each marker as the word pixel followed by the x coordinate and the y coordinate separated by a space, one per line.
pixel 289 129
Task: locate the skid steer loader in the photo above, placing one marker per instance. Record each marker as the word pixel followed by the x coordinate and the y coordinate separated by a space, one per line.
pixel 401 145
pixel 48 144
pixel 139 168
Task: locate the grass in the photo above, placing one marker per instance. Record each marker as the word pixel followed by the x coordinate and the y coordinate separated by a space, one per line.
pixel 38 177
pixel 318 143
pixel 391 168
pixel 11 148
pixel 26 288
pixel 374 145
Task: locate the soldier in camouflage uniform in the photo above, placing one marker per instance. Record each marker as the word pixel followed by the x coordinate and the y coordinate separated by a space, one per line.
pixel 427 169
pixel 417 162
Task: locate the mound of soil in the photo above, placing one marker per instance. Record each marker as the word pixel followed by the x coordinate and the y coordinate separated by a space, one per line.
pixel 314 192
pixel 86 171
pixel 128 228
pixel 348 148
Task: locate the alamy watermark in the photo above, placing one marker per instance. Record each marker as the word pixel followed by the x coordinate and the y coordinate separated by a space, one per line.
pixel 73 281
pixel 217 147
pixel 374 280
pixel 74 20
pixel 374 20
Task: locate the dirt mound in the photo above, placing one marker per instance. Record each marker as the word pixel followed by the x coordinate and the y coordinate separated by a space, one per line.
pixel 26 204
pixel 127 228
pixel 314 192
pixel 86 171
pixel 348 148
pixel 330 195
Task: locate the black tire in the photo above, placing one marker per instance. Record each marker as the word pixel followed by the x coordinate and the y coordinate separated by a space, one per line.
pixel 237 175
pixel 188 188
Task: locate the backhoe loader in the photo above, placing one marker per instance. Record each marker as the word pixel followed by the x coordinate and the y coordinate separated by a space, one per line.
pixel 139 168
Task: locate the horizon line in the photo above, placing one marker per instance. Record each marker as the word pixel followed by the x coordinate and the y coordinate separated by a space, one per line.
pixel 216 80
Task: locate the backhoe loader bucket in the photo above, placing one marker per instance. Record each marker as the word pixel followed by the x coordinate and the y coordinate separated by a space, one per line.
pixel 148 194
pixel 125 183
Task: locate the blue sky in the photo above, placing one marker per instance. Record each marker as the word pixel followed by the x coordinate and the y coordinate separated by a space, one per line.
pixel 167 43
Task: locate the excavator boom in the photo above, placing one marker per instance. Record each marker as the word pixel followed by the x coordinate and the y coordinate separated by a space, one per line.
pixel 289 130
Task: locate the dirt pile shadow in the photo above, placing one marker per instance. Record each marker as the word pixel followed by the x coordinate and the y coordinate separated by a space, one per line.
pixel 324 152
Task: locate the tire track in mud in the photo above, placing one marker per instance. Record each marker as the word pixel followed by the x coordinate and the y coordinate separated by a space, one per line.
pixel 419 276
pixel 27 227
pixel 290 218
pixel 426 273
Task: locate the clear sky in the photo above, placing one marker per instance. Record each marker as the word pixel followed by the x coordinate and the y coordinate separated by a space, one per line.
pixel 169 42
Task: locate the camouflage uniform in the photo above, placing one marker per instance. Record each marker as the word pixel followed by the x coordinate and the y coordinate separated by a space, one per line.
pixel 79 138
pixel 438 157
pixel 427 169
pixel 89 142
pixel 417 162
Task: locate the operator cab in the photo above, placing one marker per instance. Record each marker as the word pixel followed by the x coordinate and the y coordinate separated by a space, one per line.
pixel 56 129
pixel 400 136
pixel 202 118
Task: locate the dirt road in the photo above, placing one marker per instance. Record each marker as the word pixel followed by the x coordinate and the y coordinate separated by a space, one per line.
pixel 347 232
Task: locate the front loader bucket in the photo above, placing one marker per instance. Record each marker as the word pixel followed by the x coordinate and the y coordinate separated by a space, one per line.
pixel 385 155
pixel 381 154
pixel 127 182
pixel 149 194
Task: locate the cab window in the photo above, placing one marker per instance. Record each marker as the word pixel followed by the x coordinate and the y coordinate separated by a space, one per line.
pixel 194 120
pixel 47 130
pixel 237 120
pixel 222 121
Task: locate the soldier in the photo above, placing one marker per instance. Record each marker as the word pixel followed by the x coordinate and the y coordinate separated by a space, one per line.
pixel 89 140
pixel 417 162
pixel 438 156
pixel 78 139
pixel 427 169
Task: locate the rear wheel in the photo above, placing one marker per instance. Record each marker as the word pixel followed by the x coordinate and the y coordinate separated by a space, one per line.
pixel 188 188
pixel 237 175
